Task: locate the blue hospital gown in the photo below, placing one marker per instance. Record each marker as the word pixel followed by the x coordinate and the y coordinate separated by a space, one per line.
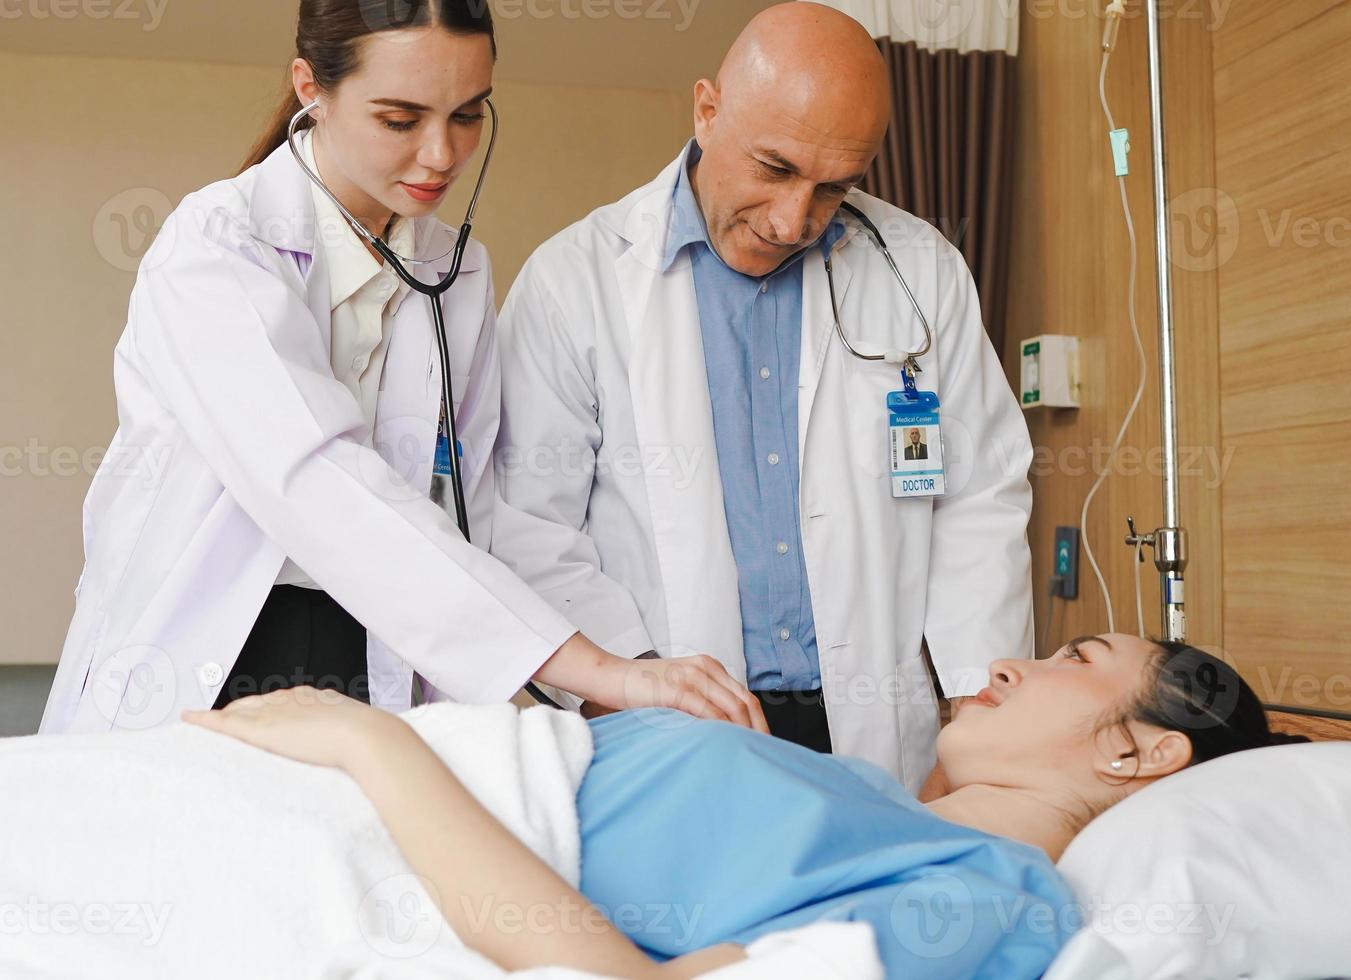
pixel 696 833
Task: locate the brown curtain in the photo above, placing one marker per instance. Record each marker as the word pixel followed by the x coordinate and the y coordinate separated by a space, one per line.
pixel 948 157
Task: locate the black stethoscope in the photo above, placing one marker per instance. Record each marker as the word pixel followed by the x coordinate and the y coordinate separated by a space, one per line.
pixel 433 291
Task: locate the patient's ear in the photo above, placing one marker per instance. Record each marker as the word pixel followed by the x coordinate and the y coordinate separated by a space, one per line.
pixel 1157 752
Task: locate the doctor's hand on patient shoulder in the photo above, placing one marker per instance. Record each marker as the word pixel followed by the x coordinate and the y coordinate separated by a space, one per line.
pixel 697 685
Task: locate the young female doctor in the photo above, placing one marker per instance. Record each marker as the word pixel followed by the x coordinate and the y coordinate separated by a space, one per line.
pixel 278 400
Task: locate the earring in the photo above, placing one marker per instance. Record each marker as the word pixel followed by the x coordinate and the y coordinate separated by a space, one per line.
pixel 1116 763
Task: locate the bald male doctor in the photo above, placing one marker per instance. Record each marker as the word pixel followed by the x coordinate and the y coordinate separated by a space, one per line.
pixel 695 461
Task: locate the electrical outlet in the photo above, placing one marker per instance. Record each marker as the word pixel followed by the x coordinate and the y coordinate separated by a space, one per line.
pixel 1066 563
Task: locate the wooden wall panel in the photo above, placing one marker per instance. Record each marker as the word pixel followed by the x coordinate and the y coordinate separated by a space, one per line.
pixel 1283 161
pixel 1260 186
pixel 1069 256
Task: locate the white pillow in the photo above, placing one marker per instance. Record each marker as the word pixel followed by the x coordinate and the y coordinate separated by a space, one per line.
pixel 1238 867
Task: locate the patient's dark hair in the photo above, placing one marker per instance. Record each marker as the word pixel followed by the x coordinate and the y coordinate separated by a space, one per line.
pixel 328 33
pixel 1189 691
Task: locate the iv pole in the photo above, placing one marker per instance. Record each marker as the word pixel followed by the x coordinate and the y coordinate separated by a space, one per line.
pixel 1170 541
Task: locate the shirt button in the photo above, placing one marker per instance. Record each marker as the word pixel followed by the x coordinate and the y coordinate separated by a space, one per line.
pixel 773 459
pixel 764 286
pixel 785 635
pixel 211 674
pixel 764 373
pixel 783 547
pixel 358 363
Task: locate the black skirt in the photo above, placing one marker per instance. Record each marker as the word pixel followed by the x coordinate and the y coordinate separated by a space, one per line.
pixel 301 637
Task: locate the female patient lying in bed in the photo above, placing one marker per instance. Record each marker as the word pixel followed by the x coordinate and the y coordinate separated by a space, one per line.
pixel 761 836
pixel 715 835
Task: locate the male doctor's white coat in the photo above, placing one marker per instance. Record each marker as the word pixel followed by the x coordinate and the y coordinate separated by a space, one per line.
pixel 237 448
pixel 607 456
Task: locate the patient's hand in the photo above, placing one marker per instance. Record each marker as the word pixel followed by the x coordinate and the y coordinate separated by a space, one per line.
pixel 324 728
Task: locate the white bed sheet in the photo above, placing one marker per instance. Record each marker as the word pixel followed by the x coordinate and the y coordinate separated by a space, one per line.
pixel 281 869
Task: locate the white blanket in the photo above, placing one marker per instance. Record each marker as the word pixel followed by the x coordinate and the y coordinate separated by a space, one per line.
pixel 180 852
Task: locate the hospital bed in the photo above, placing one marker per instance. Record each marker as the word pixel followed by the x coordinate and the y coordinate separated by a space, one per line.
pixel 1237 868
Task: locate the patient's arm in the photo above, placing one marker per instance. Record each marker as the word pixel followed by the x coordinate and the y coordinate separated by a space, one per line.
pixel 474 863
pixel 477 865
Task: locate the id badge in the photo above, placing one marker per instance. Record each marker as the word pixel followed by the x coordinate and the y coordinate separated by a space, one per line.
pixel 441 464
pixel 916 444
pixel 441 467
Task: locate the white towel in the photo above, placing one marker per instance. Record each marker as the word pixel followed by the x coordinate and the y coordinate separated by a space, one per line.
pixel 179 852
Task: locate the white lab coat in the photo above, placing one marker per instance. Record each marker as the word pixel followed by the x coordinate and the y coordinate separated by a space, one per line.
pixel 236 448
pixel 607 457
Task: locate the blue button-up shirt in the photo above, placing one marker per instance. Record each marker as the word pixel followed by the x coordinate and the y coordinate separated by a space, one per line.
pixel 752 333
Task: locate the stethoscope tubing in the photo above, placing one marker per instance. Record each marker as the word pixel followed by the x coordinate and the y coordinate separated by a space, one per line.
pixel 433 291
pixel 908 360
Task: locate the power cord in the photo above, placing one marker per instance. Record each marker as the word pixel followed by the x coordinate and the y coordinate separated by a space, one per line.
pixel 1115 10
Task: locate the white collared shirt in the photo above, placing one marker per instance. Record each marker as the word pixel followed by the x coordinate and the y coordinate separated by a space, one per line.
pixel 364 293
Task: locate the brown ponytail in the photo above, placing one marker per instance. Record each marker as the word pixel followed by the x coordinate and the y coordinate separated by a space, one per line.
pixel 275 133
pixel 327 36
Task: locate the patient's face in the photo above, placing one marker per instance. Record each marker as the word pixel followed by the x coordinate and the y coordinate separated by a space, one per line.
pixel 1040 731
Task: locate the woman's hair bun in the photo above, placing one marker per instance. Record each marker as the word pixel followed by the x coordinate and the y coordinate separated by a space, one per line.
pixel 1287 738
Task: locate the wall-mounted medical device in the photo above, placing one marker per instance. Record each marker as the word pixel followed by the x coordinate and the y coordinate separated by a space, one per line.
pixel 1050 372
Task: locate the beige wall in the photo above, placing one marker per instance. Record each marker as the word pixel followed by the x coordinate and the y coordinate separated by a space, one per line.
pixel 90 147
